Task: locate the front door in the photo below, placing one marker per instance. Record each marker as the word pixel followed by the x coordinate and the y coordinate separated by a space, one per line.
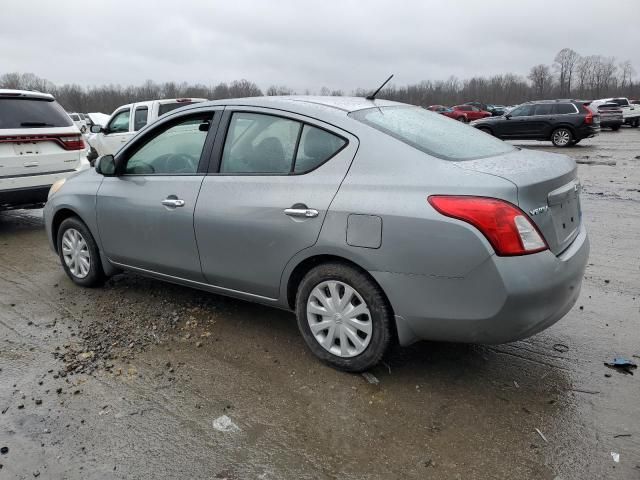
pixel 517 125
pixel 145 215
pixel 116 133
pixel 268 198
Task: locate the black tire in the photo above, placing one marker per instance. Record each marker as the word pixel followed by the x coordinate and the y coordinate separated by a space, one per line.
pixel 380 314
pixel 462 119
pixel 95 275
pixel 636 123
pixel 616 128
pixel 562 137
pixel 485 130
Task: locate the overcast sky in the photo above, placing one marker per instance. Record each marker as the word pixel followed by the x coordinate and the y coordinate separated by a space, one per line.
pixel 340 44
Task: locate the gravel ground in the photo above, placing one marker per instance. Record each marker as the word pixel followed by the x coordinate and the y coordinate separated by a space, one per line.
pixel 147 380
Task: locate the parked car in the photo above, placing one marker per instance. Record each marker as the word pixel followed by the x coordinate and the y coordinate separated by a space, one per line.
pixel 79 121
pixel 294 202
pixel 472 113
pixel 563 122
pixel 39 144
pixel 126 120
pixel 630 112
pixel 610 115
pixel 487 107
pixel 449 112
pixel 634 102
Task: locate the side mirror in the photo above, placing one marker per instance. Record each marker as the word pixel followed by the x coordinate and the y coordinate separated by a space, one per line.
pixel 96 129
pixel 106 165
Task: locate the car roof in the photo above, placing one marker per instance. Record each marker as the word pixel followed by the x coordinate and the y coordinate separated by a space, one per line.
pixel 309 103
pixel 7 92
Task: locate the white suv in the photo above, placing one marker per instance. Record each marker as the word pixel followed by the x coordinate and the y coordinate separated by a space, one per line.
pixel 39 144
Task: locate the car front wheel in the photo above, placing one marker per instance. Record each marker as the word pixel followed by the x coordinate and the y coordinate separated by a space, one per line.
pixel 344 317
pixel 562 137
pixel 79 253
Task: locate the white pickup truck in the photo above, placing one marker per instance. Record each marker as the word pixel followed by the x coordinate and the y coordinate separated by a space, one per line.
pixel 630 112
pixel 126 120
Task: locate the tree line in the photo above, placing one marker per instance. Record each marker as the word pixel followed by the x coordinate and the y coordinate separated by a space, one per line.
pixel 571 75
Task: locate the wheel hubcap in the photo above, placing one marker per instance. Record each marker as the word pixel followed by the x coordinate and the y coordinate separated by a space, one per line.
pixel 561 137
pixel 75 252
pixel 339 318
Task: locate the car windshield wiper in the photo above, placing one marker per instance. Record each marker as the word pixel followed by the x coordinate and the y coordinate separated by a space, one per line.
pixel 36 124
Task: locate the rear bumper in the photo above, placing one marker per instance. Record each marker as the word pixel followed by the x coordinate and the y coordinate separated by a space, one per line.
pixel 503 300
pixel 32 190
pixel 613 122
pixel 587 132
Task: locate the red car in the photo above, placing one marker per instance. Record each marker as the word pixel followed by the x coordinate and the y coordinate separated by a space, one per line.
pixel 449 112
pixel 472 113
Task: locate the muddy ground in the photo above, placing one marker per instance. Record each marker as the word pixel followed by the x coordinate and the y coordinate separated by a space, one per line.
pixel 146 380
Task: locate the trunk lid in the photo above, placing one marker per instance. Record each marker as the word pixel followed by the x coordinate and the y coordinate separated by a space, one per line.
pixel 548 191
pixel 27 152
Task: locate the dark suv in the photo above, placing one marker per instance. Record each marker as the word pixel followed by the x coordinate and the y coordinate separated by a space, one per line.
pixel 563 122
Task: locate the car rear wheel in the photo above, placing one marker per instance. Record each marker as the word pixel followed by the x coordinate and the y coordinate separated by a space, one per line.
pixel 636 123
pixel 562 137
pixel 616 128
pixel 462 119
pixel 344 317
pixel 79 253
pixel 485 130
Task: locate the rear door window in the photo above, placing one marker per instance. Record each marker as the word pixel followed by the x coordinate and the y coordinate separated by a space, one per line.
pixel 259 143
pixel 565 108
pixel 167 107
pixel 140 118
pixel 316 147
pixel 32 113
pixel 120 123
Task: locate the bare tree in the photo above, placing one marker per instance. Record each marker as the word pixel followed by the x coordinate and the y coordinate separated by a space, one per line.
pixel 565 62
pixel 541 79
pixel 627 72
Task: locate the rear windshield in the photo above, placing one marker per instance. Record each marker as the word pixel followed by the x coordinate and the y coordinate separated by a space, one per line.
pixel 32 113
pixel 432 133
pixel 623 102
pixel 167 107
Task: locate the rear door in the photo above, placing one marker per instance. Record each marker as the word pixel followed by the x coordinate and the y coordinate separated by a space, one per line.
pixel 272 181
pixel 37 137
pixel 145 215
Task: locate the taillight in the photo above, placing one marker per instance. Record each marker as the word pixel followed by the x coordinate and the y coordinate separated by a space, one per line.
pixel 505 226
pixel 588 119
pixel 71 142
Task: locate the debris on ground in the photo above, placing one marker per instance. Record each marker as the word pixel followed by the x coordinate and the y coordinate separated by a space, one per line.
pixel 616 457
pixel 623 365
pixel 622 435
pixel 225 424
pixel 561 347
pixel 542 435
pixel 371 378
pixel 4 450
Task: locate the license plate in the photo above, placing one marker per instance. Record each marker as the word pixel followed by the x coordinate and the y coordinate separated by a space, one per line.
pixel 26 148
pixel 566 217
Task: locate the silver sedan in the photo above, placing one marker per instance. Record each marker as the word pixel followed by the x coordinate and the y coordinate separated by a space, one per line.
pixel 376 222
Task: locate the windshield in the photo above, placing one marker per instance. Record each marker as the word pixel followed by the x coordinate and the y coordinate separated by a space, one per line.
pixel 431 133
pixel 32 113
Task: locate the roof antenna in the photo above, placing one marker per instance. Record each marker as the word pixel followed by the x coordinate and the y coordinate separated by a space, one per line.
pixel 373 95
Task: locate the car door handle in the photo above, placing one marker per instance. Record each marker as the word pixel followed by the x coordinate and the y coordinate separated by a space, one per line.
pixel 173 202
pixel 301 212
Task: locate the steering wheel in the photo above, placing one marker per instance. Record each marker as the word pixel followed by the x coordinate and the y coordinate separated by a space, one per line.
pixel 175 163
